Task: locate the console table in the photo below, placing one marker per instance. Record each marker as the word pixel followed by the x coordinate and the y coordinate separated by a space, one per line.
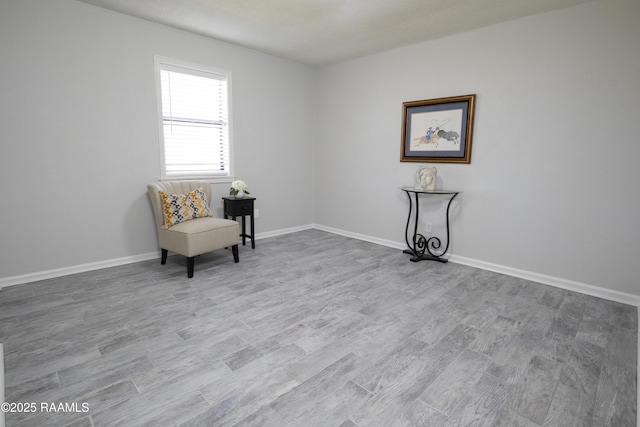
pixel 419 244
pixel 243 207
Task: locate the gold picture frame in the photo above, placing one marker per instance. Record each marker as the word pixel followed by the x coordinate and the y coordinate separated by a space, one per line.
pixel 438 130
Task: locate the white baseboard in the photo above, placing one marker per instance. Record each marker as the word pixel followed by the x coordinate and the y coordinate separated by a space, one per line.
pixel 557 282
pixel 82 268
pixel 65 271
pixel 282 231
pixel 570 285
pixel 383 242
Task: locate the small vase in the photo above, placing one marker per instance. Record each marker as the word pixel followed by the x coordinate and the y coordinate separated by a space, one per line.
pixel 240 195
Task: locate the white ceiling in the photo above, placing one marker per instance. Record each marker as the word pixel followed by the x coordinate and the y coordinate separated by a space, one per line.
pixel 319 32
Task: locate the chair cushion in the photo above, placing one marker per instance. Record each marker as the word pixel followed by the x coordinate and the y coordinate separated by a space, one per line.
pixel 199 236
pixel 178 208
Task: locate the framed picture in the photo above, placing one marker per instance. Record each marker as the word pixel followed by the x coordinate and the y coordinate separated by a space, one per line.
pixel 437 130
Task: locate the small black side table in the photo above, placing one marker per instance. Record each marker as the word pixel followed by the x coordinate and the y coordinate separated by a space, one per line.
pixel 243 207
pixel 418 244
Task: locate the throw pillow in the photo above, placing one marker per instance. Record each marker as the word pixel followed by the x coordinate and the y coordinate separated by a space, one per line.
pixel 178 208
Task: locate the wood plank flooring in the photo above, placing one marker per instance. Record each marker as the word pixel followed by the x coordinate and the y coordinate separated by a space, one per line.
pixel 315 329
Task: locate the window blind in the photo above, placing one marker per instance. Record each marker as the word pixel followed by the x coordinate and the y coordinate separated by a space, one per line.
pixel 194 122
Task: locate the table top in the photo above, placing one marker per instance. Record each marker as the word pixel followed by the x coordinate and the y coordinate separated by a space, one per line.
pixel 239 198
pixel 436 191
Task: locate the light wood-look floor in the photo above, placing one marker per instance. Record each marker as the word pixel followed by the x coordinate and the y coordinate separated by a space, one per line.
pixel 315 329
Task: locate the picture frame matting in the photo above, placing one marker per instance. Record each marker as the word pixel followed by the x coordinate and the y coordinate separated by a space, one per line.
pixel 438 130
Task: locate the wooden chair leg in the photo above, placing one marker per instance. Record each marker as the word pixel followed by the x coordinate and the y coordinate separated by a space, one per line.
pixel 234 249
pixel 190 263
pixel 163 261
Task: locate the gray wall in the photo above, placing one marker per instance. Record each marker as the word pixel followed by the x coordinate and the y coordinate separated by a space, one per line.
pixel 79 140
pixel 553 183
pixel 552 187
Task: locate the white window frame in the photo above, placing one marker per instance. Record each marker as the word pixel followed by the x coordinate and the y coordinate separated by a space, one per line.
pixel 161 62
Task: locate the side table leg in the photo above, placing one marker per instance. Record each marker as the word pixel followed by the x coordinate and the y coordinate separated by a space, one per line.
pixel 244 230
pixel 253 234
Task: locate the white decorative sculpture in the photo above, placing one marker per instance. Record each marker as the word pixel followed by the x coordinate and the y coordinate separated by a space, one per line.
pixel 426 178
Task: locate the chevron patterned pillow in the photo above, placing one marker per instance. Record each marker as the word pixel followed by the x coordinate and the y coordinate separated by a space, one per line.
pixel 178 208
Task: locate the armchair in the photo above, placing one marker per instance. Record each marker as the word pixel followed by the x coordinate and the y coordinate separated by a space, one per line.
pixel 191 237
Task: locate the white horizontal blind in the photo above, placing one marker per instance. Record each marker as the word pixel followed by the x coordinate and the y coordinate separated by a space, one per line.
pixel 194 122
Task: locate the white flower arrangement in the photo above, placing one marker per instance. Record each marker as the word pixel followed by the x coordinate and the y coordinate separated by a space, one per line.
pixel 237 187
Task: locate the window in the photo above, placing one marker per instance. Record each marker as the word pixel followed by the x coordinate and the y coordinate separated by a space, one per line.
pixel 194 120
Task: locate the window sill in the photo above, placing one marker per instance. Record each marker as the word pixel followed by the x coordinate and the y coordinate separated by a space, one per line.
pixel 210 179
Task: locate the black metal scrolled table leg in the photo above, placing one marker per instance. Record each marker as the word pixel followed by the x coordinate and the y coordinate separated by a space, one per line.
pixel 406 230
pixel 435 242
pixel 419 244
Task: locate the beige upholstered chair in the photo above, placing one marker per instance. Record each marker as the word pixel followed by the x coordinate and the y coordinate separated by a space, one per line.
pixel 194 236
